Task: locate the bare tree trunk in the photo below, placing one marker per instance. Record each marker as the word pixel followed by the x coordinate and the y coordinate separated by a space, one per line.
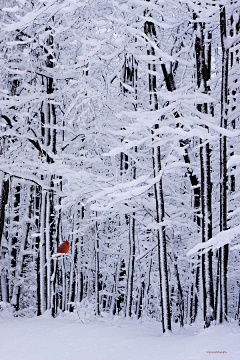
pixel 97 271
pixel 130 78
pixel 73 275
pixel 4 191
pixel 234 60
pixel 180 293
pixel 203 71
pixel 149 30
pixel 207 276
pixel 16 205
pixel 223 252
pixel 42 254
pixel 131 265
pixel 195 183
pixel 48 272
pixel 36 215
pixel 22 248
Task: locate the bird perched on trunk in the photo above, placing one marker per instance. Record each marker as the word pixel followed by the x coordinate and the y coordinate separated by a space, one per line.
pixel 63 248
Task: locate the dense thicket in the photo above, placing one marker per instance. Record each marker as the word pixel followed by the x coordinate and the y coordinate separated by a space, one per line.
pixel 120 132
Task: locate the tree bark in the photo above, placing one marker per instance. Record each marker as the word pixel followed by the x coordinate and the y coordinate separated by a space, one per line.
pixel 130 78
pixel 224 251
pixel 150 31
pixel 131 265
pixel 4 191
pixel 20 258
pixel 97 271
pixel 203 71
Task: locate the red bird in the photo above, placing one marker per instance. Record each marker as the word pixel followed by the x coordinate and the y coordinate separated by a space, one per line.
pixel 63 248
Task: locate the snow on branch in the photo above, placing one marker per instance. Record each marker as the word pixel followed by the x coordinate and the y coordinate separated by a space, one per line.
pixel 233 161
pixel 221 239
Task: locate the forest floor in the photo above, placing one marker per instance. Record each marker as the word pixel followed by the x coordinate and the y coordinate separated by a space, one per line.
pixel 45 338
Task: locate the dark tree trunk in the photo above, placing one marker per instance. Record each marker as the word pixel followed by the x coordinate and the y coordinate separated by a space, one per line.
pixel 36 214
pixel 131 265
pixel 180 293
pixel 72 288
pixel 4 192
pixel 97 271
pixel 130 78
pixel 20 261
pixel 150 31
pixel 223 252
pixel 120 279
pixel 193 308
pixel 48 272
pixel 15 223
pixel 203 71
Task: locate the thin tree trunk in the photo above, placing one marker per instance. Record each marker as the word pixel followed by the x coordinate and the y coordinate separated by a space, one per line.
pixel 14 241
pixel 223 252
pixel 36 214
pixel 97 271
pixel 180 293
pixel 207 276
pixel 42 254
pixel 130 78
pixel 131 265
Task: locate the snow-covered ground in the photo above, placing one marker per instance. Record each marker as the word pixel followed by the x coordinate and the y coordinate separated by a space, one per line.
pixel 45 338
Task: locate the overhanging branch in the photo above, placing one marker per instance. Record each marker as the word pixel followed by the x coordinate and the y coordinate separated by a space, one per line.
pixel 35 143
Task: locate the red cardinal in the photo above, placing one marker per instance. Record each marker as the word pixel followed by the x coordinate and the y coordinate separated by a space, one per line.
pixel 63 248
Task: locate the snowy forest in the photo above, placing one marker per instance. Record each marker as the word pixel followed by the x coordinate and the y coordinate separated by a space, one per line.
pixel 120 133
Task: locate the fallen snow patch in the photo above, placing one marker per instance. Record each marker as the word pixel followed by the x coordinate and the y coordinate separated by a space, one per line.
pixel 63 339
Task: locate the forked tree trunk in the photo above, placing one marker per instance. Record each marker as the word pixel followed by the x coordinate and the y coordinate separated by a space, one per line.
pixel 203 71
pixel 130 78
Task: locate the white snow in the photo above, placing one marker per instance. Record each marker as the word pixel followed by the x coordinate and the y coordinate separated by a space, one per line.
pixel 221 239
pixel 12 9
pixel 45 338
